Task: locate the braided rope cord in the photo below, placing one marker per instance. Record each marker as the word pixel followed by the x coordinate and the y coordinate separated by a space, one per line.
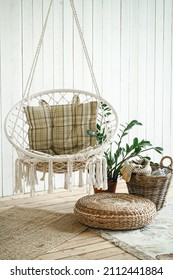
pixel 84 47
pixel 34 64
pixel 33 67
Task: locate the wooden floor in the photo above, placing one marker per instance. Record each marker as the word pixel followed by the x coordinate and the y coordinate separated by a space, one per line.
pixel 87 245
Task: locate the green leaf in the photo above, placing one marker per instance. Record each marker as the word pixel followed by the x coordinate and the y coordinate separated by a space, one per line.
pixel 135 141
pixel 145 143
pixel 127 148
pixel 137 150
pixel 98 126
pixel 159 150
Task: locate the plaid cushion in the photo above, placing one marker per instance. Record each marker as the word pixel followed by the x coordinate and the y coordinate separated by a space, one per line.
pixel 40 128
pixel 70 125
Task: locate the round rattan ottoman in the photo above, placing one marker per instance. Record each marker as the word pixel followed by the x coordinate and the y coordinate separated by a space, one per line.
pixel 115 211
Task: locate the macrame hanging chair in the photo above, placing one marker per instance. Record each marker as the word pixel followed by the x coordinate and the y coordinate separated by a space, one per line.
pixel 61 130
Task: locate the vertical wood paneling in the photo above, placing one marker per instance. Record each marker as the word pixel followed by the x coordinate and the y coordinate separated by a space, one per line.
pixel 159 59
pixel 8 49
pixel 78 52
pixel 48 48
pixel 106 56
pixel 88 35
pixel 1 122
pixel 98 41
pixel 133 97
pixel 58 44
pixel 130 43
pixel 5 63
pixel 68 58
pixel 125 56
pixel 37 24
pixel 167 65
pixel 27 40
pixel 142 66
pixel 171 82
pixel 115 75
pixel 150 70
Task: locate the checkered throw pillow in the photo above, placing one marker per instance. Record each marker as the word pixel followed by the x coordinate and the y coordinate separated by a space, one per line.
pixel 40 128
pixel 70 125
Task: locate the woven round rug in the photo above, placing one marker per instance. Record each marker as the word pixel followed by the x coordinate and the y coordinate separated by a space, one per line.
pixel 116 211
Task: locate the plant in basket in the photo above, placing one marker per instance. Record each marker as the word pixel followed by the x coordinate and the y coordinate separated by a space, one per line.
pixel 121 152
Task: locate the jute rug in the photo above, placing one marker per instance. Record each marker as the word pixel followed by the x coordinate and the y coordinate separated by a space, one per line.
pixel 26 233
pixel 154 241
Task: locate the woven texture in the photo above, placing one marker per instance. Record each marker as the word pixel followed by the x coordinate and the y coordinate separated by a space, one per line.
pixel 60 167
pixel 152 187
pixel 32 159
pixel 27 233
pixel 115 211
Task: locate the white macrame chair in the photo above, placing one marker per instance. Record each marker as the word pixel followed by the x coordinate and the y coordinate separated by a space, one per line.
pixel 90 159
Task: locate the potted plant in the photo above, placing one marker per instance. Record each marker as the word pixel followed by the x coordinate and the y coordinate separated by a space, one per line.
pixel 120 151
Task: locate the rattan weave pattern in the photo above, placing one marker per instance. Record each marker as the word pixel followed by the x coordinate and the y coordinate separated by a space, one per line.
pixel 115 211
pixel 152 187
pixel 60 168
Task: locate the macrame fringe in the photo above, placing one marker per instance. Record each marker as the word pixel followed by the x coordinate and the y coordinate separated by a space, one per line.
pixel 97 174
pixel 26 175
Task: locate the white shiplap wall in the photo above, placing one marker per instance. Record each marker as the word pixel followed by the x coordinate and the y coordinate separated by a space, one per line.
pixel 130 44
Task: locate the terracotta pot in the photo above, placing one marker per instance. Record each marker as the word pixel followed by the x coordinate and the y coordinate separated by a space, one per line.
pixel 111 188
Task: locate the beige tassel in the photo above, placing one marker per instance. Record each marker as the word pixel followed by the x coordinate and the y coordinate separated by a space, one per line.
pixel 50 177
pixel 87 183
pixel 44 171
pixel 81 184
pixel 101 174
pixel 32 179
pixel 18 176
pixel 94 174
pixel 90 179
pixel 69 175
pixel 97 184
pixel 66 181
pixel 105 181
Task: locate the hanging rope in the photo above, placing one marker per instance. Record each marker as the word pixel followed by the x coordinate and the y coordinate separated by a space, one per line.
pixel 84 47
pixel 33 67
pixel 34 64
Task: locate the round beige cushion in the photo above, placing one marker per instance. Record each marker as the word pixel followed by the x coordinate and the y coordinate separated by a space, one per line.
pixel 116 211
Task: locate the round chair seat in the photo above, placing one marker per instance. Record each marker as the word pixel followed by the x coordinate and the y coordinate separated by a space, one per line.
pixel 115 211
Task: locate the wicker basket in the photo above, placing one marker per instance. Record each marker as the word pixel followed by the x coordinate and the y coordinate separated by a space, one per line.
pixel 115 211
pixel 153 187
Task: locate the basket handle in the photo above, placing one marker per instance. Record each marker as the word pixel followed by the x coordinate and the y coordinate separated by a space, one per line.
pixel 170 166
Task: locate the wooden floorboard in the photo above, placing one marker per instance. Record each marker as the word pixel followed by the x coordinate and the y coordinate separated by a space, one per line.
pixel 85 246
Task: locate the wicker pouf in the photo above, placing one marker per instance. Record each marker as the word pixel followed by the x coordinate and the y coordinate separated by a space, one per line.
pixel 115 211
